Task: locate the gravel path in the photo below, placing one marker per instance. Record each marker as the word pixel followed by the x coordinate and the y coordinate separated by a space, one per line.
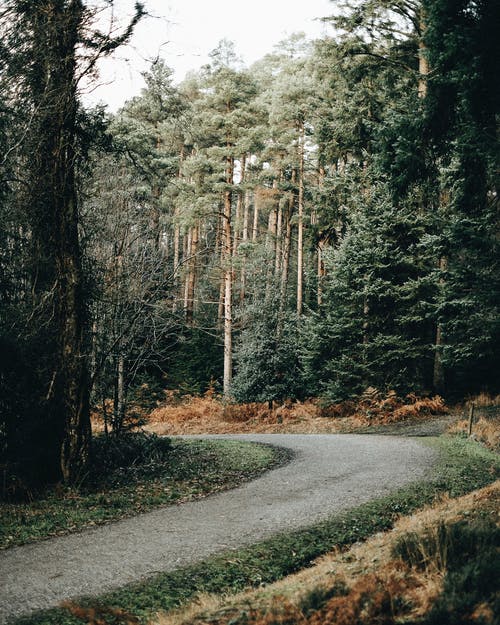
pixel 328 473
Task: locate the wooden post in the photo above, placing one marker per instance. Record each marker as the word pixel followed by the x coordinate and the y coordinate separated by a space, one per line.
pixel 471 417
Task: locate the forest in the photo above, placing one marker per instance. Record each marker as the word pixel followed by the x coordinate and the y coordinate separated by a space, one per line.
pixel 319 223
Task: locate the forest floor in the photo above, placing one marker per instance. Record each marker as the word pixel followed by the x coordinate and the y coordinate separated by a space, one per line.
pixel 373 414
pixel 209 415
pixel 103 558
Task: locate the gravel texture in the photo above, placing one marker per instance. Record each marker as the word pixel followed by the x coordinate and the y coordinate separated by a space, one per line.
pixel 328 473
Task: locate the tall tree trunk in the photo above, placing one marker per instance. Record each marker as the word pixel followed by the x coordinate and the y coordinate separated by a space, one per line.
pixel 187 265
pixel 176 260
pixel 300 224
pixel 155 218
pixel 255 223
pixel 320 272
pixel 271 242
pixel 54 207
pixel 246 215
pixel 191 281
pixel 438 377
pixel 279 240
pixel 287 247
pixel 423 64
pixel 321 244
pixel 177 237
pixel 228 282
pixel 221 253
pixel 119 398
pixel 239 205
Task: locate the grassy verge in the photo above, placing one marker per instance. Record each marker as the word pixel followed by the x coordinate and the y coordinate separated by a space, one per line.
pixel 464 466
pixel 440 566
pixel 144 473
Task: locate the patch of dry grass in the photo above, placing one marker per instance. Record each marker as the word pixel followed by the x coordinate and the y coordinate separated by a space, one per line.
pixel 210 415
pixel 486 423
pixel 364 585
pixel 484 400
pixel 487 431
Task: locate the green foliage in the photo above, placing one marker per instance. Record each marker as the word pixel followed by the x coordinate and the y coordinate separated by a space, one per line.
pixel 118 452
pixel 194 363
pixel 460 110
pixel 373 328
pixel 267 357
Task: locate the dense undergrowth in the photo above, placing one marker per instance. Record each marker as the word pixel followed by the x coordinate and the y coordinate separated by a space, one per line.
pixel 464 467
pixel 131 474
pixel 209 413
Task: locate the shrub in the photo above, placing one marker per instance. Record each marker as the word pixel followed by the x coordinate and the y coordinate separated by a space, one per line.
pixel 114 454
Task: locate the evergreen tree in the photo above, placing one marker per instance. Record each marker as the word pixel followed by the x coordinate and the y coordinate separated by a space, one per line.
pixel 267 357
pixel 461 107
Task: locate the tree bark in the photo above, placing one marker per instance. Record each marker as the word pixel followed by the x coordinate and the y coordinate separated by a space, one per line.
pixel 255 223
pixel 287 247
pixel 54 208
pixel 239 206
pixel 300 224
pixel 119 399
pixel 423 64
pixel 191 280
pixel 246 215
pixel 228 282
pixel 438 377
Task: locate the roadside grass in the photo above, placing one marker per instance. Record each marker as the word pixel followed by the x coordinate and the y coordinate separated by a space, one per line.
pixel 463 467
pixel 133 476
pixel 440 566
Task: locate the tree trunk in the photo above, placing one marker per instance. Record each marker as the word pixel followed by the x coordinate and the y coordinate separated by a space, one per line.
pixel 54 209
pixel 255 224
pixel 239 206
pixel 300 224
pixel 246 215
pixel 228 283
pixel 279 240
pixel 438 378
pixel 187 257
pixel 119 398
pixel 272 224
pixel 321 272
pixel 423 64
pixel 176 261
pixel 287 246
pixel 191 281
pixel 155 218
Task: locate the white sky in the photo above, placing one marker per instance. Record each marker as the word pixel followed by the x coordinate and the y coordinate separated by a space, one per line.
pixel 183 32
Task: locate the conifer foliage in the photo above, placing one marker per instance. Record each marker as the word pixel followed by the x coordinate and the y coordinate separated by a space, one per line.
pixel 321 222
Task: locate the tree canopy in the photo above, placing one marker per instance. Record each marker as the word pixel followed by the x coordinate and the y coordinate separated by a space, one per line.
pixel 321 222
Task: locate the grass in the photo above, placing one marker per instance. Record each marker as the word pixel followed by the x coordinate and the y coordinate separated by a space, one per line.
pixel 440 566
pixel 209 414
pixel 144 473
pixel 464 467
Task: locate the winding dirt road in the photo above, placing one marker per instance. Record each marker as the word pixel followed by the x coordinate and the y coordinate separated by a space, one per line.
pixel 327 474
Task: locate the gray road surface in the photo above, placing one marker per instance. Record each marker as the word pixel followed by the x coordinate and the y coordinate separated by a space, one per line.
pixel 328 473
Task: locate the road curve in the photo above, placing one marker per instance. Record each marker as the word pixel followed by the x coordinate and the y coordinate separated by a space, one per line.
pixel 327 474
